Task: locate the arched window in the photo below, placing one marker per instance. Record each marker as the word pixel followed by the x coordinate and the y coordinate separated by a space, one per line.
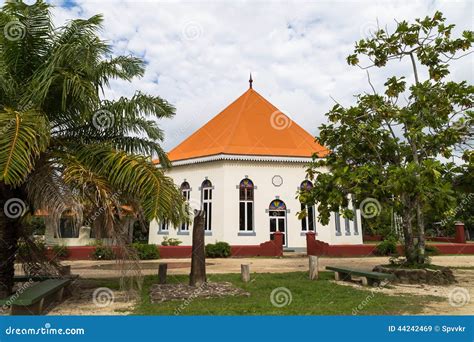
pixel 246 189
pixel 186 192
pixel 206 196
pixel 308 223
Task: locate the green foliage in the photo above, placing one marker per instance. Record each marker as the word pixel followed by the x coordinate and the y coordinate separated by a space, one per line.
pixel 394 144
pixel 431 250
pixel 102 252
pixel 218 250
pixel 24 252
pixel 60 251
pixel 170 242
pixel 62 143
pixel 387 247
pixel 140 232
pixel 146 251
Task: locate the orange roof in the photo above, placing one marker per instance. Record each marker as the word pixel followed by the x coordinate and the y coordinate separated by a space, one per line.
pixel 249 126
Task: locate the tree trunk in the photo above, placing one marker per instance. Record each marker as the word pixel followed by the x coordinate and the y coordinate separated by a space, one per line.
pixel 407 224
pixel 421 234
pixel 198 261
pixel 9 228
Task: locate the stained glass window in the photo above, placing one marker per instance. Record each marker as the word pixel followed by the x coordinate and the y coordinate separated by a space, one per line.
pixel 277 205
pixel 246 190
pixel 306 185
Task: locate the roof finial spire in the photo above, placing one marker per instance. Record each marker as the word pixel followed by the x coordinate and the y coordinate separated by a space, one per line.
pixel 250 81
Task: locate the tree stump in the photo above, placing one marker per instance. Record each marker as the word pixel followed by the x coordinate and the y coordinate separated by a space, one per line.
pixel 162 270
pixel 313 268
pixel 245 272
pixel 198 258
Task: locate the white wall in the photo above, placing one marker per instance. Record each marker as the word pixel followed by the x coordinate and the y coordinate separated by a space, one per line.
pixel 225 177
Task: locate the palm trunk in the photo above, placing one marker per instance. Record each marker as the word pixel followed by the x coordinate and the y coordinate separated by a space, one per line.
pixel 9 230
pixel 198 259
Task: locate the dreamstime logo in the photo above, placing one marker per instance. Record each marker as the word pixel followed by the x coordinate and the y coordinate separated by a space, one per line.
pixel 370 207
pixel 458 297
pixel 102 297
pixel 368 29
pixel 280 121
pixel 280 297
pixel 103 119
pixel 189 300
pixel 192 30
pixel 17 294
pixel 14 208
pixel 14 30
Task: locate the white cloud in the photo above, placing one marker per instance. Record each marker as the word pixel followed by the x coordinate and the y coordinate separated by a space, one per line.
pixel 199 54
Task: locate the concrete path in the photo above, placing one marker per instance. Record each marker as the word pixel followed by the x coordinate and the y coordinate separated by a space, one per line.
pixel 107 269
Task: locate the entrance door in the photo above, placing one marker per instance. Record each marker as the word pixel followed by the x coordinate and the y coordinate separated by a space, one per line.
pixel 277 213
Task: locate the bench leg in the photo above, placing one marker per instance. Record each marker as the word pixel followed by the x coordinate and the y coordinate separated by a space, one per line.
pixel 35 309
pixel 60 295
pixel 370 282
pixel 340 276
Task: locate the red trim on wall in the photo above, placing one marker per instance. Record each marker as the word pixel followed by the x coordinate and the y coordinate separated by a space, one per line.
pixel 169 252
pixel 268 248
pixel 441 239
pixel 316 247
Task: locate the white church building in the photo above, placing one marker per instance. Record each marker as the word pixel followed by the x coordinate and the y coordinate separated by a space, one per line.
pixel 244 168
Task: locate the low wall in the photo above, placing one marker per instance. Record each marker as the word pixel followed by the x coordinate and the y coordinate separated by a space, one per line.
pixel 170 252
pixel 269 248
pixel 372 238
pixel 316 247
pixel 441 239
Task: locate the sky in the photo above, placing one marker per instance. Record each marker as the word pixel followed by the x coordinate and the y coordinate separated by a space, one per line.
pixel 199 53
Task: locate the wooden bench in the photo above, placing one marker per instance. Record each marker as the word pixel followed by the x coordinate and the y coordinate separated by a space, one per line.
pixel 368 278
pixel 31 300
pixel 27 278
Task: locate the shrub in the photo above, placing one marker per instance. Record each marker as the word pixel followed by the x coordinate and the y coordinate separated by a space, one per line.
pixel 218 250
pixel 60 251
pixel 146 251
pixel 387 247
pixel 102 252
pixel 24 252
pixel 431 250
pixel 170 242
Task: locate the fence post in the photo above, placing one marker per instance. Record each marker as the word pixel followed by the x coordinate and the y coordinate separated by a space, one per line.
pixel 245 272
pixel 460 233
pixel 313 267
pixel 162 270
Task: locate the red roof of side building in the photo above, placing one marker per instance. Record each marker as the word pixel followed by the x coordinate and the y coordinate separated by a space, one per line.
pixel 249 126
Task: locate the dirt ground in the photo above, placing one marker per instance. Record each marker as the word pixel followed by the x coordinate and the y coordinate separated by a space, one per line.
pixel 85 300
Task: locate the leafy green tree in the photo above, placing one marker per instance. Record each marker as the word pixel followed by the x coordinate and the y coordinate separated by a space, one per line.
pixel 393 145
pixel 61 143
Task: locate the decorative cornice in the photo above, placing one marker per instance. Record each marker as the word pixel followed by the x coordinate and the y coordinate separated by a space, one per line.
pixel 235 157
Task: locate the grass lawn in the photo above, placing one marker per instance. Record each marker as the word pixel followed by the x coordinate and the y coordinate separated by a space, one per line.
pixel 320 297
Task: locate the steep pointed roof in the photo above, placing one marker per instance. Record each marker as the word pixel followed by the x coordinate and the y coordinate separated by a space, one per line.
pixel 249 126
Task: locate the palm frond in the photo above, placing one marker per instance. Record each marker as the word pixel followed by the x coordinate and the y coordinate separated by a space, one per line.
pixel 137 176
pixel 140 105
pixel 24 136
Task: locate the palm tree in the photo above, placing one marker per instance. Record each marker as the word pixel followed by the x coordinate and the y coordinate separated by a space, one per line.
pixel 61 143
